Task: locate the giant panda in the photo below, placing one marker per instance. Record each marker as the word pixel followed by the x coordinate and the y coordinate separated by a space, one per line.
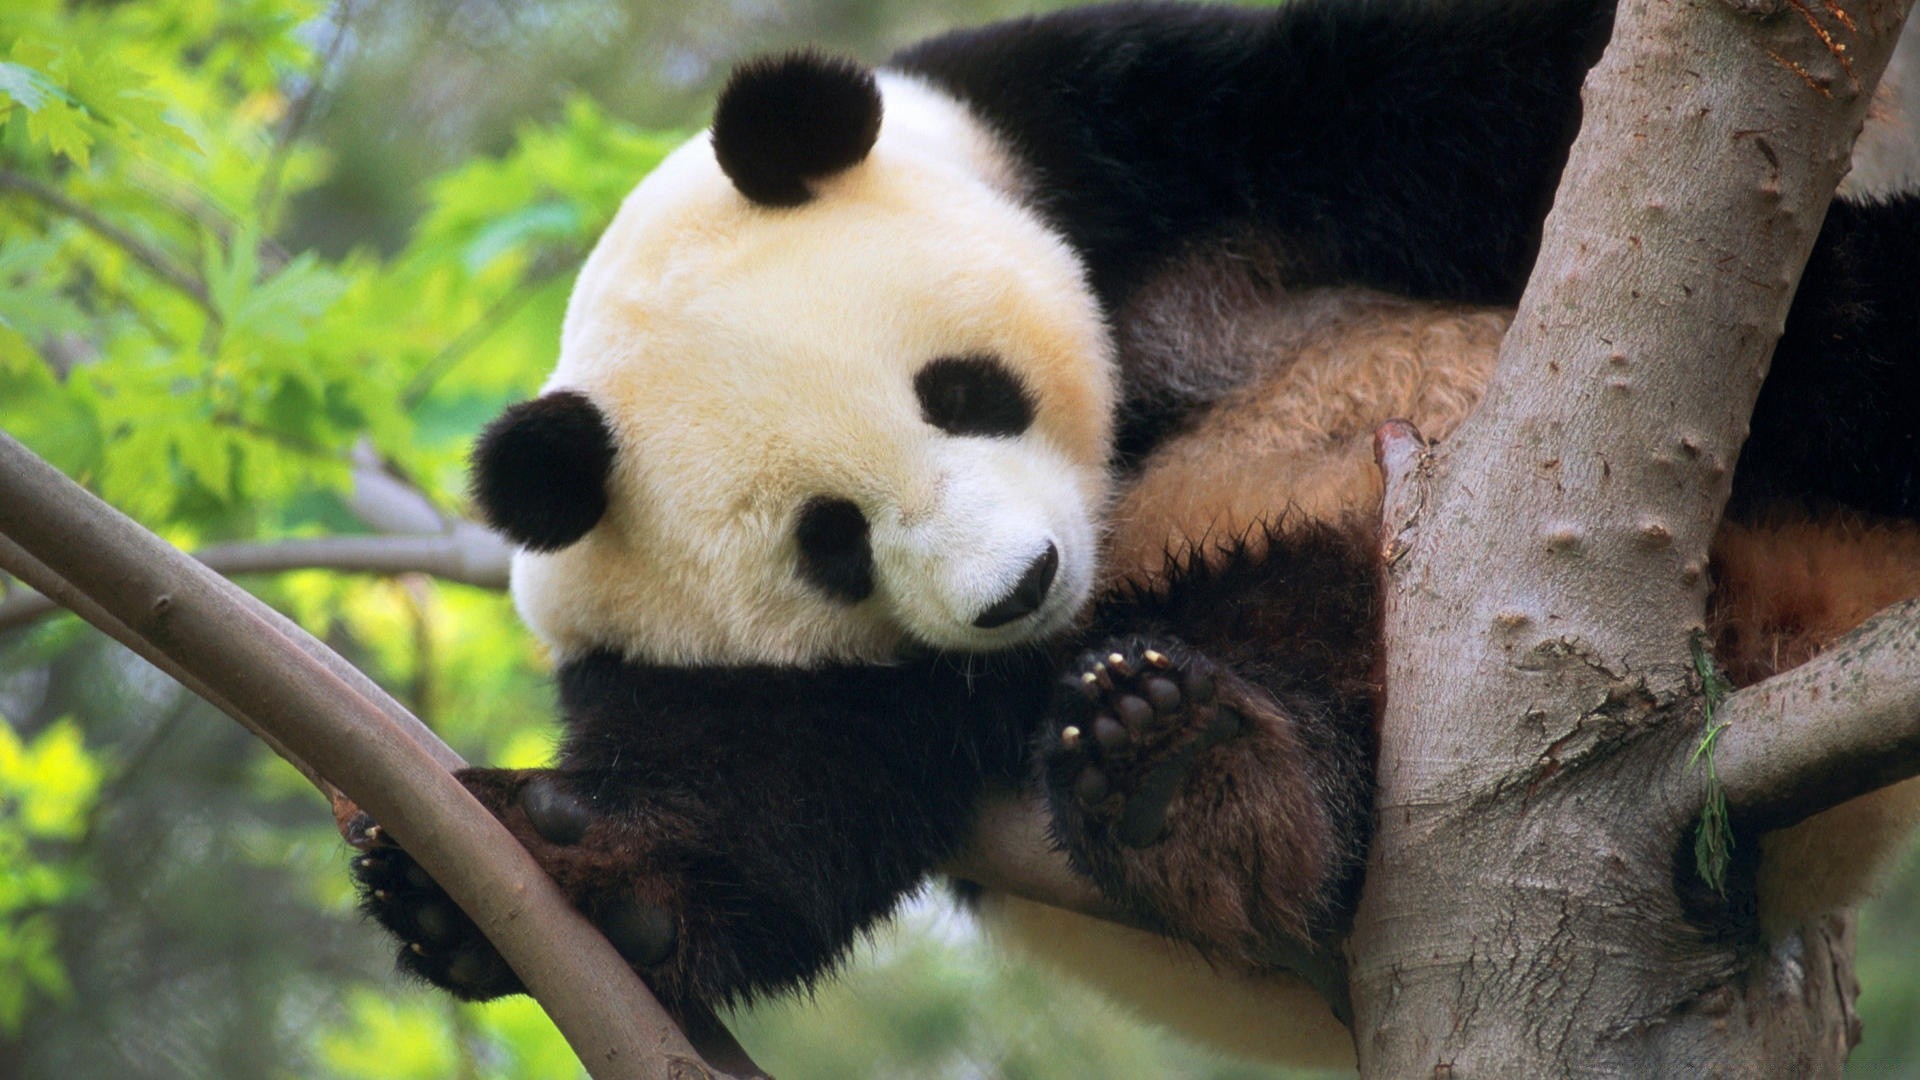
pixel 854 391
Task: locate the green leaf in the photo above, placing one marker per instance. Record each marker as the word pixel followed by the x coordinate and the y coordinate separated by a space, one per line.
pixel 543 221
pixel 64 129
pixel 206 455
pixel 52 781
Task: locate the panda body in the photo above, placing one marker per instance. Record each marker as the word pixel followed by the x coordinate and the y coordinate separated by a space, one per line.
pixel 813 507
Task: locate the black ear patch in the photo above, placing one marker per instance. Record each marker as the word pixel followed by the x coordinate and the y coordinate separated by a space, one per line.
pixel 539 471
pixel 783 120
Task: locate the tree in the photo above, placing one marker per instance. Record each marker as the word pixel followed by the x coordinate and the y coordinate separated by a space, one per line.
pixel 1495 757
pixel 1467 787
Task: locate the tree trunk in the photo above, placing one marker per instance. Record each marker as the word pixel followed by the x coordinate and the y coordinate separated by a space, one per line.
pixel 1547 572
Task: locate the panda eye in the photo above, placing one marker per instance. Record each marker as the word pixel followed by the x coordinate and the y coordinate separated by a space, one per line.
pixel 834 554
pixel 973 395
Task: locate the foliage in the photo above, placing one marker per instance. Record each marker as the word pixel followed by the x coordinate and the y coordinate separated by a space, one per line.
pixel 141 270
pixel 160 344
pixel 1713 838
pixel 47 791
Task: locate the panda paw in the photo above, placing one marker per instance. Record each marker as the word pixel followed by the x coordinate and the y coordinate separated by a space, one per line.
pixel 1189 797
pixel 588 855
pixel 1134 720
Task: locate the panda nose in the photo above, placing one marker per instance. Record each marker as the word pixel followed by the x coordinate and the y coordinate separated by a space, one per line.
pixel 1027 594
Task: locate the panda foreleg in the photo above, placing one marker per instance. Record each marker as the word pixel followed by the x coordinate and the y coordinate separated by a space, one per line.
pixel 700 920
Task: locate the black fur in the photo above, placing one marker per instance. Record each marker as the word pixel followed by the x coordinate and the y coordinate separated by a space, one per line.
pixel 782 121
pixel 1838 420
pixel 835 554
pixel 973 395
pixel 1408 145
pixel 774 813
pixel 740 827
pixel 1412 147
pixel 540 470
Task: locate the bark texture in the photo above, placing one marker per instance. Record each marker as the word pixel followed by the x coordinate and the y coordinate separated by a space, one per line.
pixel 1547 569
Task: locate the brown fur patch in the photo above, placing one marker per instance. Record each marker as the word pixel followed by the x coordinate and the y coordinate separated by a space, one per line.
pixel 1296 441
pixel 1784 590
pixel 1786 587
pixel 1299 437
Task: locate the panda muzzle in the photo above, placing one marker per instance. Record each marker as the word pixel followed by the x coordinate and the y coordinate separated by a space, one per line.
pixel 1027 594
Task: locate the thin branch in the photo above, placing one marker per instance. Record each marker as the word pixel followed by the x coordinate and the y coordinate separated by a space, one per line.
pixel 1840 725
pixel 1010 852
pixel 387 503
pixel 215 634
pixel 300 111
pixel 469 554
pixel 155 260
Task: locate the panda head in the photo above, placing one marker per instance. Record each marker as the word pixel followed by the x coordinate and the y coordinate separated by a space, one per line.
pixel 827 391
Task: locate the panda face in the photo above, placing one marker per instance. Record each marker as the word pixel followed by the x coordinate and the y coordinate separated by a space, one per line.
pixel 875 421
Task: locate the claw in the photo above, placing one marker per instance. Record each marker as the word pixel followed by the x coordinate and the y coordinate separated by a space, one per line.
pixel 1069 737
pixel 1119 664
pixel 1157 659
pixel 416 948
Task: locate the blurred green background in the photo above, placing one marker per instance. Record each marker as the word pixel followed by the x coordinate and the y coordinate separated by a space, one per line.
pixel 246 248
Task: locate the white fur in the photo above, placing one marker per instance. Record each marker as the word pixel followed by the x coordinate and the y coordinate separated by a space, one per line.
pixel 749 359
pixel 1277 1018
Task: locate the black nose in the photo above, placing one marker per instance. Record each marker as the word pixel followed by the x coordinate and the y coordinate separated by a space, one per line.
pixel 1027 596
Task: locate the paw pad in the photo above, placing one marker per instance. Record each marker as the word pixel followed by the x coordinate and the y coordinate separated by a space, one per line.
pixel 645 934
pixel 555 813
pixel 1138 718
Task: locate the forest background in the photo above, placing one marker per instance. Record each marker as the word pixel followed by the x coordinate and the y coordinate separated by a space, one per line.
pixel 263 265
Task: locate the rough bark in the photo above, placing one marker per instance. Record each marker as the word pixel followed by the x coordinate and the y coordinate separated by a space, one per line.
pixel 1547 571
pixel 1845 723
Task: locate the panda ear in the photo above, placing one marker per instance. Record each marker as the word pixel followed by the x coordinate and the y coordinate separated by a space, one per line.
pixel 539 471
pixel 783 120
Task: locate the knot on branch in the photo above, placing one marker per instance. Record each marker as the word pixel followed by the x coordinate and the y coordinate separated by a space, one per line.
pixel 1406 465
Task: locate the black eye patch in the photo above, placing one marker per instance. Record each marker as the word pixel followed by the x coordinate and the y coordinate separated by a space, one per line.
pixel 834 553
pixel 973 395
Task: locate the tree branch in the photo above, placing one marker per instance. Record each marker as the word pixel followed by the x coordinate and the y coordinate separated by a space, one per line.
pixel 15 560
pixel 470 555
pixel 1010 852
pixel 388 504
pixel 427 543
pixel 221 639
pixel 1840 725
